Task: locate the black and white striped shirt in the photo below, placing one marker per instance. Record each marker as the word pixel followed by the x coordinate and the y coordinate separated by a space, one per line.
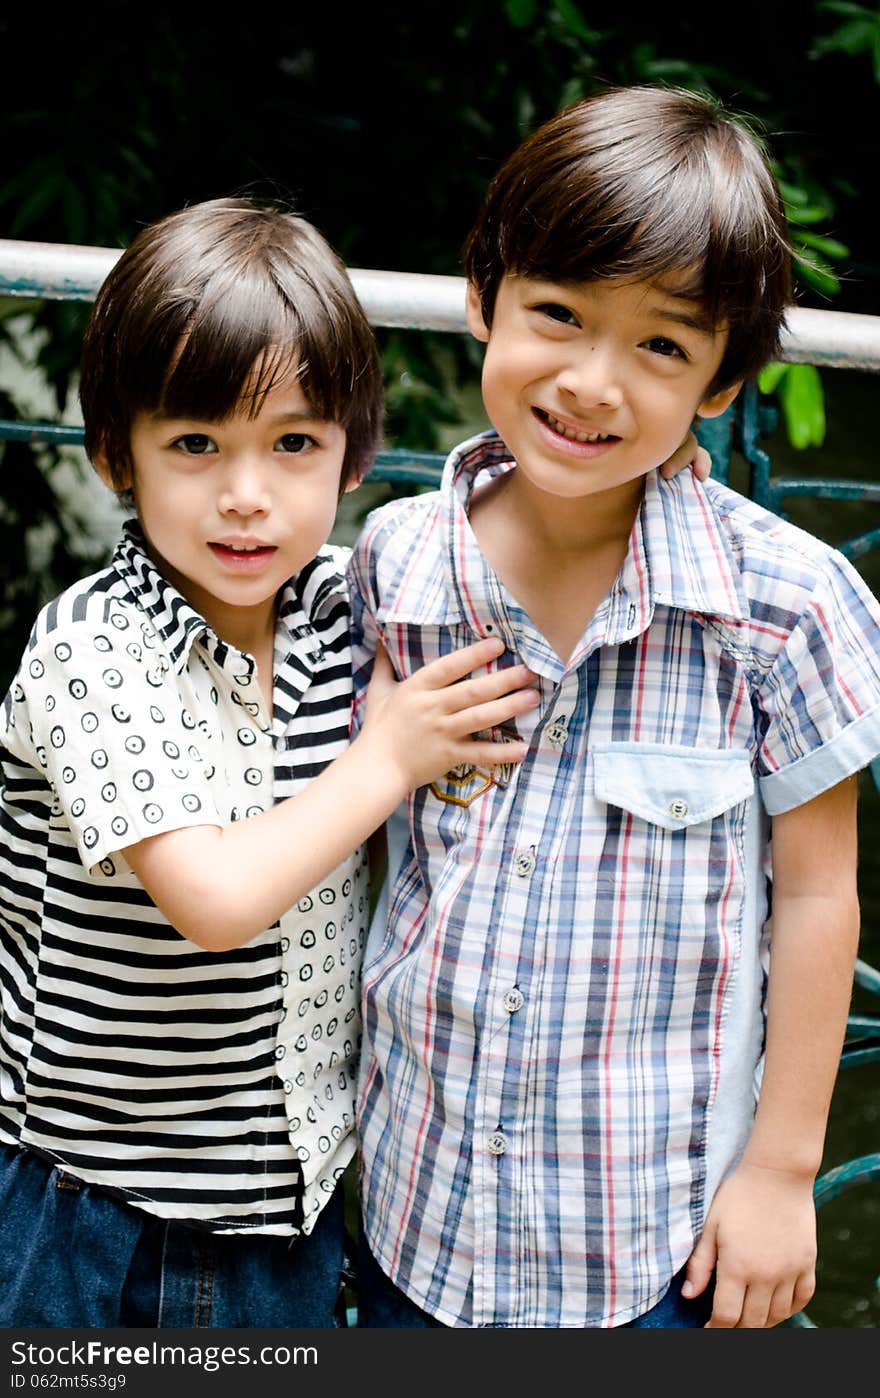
pixel 211 1087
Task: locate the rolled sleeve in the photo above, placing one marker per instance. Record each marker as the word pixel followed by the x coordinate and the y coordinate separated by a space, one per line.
pixel 819 703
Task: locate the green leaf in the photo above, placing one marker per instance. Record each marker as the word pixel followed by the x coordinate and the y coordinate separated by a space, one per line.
pixel 770 376
pixel 841 7
pixel 793 194
pixel 830 246
pixel 572 92
pixel 520 12
pixel 802 399
pixel 806 213
pixel 574 20
pixel 859 33
pixel 818 277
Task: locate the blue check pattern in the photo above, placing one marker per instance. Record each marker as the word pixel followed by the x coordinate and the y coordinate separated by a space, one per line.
pixel 563 984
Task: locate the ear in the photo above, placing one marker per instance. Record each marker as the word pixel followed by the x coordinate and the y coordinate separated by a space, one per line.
pixel 717 403
pixel 351 485
pixel 474 311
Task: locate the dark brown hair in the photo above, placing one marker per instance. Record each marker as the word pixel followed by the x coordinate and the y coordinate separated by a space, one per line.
pixel 216 302
pixel 641 183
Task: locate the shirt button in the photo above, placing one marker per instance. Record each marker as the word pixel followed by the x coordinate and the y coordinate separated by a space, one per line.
pixel 285 944
pixel 288 1085
pixel 497 1143
pixel 678 808
pixel 513 1000
pixel 280 1051
pixel 285 978
pixel 524 863
pixel 557 733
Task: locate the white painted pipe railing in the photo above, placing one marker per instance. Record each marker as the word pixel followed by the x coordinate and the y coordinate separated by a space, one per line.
pixel 410 300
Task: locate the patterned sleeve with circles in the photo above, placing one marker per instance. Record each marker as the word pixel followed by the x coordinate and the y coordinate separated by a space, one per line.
pixel 104 718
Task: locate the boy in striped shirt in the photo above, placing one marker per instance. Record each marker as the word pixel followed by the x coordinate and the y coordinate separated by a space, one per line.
pixel 176 1111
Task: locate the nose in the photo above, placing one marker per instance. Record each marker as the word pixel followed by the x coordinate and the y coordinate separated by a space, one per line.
pixel 244 488
pixel 591 378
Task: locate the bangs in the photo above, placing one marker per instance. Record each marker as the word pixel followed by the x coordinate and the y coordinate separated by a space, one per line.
pixel 237 344
pixel 649 223
pixel 211 308
pixel 645 184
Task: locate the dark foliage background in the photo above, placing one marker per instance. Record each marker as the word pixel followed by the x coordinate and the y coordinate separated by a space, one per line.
pixel 382 123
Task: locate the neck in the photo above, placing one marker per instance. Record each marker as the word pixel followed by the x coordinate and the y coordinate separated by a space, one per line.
pixel 249 629
pixel 567 527
pixel 557 557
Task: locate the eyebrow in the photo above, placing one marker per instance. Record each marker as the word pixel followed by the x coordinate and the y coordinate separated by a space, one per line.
pixel 279 419
pixel 701 324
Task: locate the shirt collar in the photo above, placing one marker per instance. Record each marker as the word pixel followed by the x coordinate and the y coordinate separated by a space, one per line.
pixel 305 599
pixel 679 554
pixel 471 582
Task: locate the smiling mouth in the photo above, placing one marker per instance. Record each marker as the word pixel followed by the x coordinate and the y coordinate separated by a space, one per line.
pixel 571 433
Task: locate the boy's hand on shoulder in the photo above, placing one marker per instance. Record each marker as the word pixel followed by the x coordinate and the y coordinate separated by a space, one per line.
pixel 690 453
pixel 423 725
pixel 760 1240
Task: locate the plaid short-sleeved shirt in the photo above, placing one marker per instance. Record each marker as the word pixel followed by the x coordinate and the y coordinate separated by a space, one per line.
pixel 563 992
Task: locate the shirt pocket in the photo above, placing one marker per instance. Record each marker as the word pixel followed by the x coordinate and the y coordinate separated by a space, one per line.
pixel 669 786
pixel 671 881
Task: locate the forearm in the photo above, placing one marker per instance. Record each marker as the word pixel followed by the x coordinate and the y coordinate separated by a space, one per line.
pixel 221 886
pixel 813 949
pixel 760 1233
pixel 813 945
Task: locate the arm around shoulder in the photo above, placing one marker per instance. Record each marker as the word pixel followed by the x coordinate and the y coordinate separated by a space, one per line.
pixel 222 886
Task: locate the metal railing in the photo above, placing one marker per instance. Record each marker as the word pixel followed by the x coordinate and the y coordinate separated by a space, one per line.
pixel 403 300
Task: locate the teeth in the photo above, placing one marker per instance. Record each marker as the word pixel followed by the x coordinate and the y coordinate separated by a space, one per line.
pixel 572 435
pixel 244 548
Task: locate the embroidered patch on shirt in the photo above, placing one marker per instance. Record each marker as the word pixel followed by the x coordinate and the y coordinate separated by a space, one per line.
pixel 465 783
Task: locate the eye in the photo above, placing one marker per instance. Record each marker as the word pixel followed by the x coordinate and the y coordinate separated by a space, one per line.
pixel 295 442
pixel 554 310
pixel 194 444
pixel 667 348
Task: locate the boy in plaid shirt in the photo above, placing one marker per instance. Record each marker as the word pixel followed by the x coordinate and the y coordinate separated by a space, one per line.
pixel 596 1070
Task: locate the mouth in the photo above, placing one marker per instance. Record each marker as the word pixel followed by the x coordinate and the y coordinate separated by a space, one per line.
pixel 570 433
pixel 242 555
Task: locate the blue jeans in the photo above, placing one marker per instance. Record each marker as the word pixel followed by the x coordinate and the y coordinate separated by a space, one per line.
pixel 72 1255
pixel 382 1304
